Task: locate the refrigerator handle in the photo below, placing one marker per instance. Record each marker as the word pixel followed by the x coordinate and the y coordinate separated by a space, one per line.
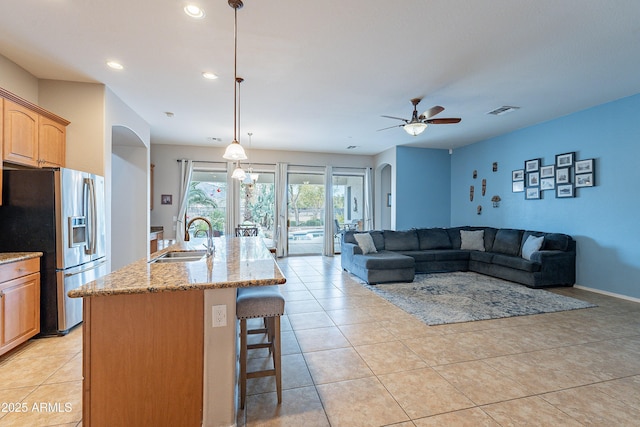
pixel 90 204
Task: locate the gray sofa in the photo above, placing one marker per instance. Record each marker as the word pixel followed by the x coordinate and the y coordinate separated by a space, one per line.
pixel 401 254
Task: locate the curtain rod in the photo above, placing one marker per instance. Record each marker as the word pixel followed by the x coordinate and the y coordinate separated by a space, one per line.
pixel 273 164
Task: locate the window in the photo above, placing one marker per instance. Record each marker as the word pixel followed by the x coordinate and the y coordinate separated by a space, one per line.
pixel 208 199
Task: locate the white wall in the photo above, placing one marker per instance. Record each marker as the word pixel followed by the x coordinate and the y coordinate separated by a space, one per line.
pixel 17 80
pixel 167 171
pixel 382 183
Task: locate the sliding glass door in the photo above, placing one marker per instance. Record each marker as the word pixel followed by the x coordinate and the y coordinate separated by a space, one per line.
pixel 306 194
pixel 348 204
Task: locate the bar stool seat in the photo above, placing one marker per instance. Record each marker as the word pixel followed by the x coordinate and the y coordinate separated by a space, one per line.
pixel 260 302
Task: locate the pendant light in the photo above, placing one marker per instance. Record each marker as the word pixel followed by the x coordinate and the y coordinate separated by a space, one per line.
pixel 234 150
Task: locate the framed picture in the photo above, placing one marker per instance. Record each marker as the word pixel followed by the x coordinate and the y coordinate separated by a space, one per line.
pixel 564 160
pixel 517 186
pixel 584 180
pixel 564 190
pixel 532 193
pixel 547 171
pixel 517 175
pixel 166 199
pixel 584 166
pixel 532 165
pixel 547 183
pixel 533 179
pixel 388 200
pixel 563 176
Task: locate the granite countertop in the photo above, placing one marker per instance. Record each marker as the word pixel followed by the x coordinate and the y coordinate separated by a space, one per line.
pixel 8 257
pixel 237 262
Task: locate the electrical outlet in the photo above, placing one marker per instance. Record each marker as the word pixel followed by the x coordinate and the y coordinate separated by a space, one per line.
pixel 219 315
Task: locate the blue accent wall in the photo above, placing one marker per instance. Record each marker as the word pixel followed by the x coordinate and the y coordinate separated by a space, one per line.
pixel 423 188
pixel 603 219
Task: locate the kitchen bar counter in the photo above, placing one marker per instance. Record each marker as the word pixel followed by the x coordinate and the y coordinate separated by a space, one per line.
pixel 153 354
pixel 7 257
pixel 236 263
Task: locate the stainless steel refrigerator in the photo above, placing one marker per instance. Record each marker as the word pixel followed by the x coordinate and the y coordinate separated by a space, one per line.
pixel 60 212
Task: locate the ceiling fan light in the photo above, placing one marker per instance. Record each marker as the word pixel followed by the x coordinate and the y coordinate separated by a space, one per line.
pixel 238 173
pixel 415 129
pixel 234 151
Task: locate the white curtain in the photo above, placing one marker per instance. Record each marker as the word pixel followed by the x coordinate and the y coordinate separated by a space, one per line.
pixel 281 232
pixel 368 200
pixel 328 212
pixel 233 201
pixel 186 171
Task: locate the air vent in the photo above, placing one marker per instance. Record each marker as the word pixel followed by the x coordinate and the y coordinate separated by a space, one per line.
pixel 503 110
pixel 351 147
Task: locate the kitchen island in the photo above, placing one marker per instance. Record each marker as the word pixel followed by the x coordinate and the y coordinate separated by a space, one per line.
pixel 151 352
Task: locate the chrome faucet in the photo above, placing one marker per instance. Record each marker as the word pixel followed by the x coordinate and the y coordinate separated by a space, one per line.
pixel 210 246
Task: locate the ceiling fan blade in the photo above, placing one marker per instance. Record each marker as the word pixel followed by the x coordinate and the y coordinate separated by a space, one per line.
pixel 436 109
pixel 396 118
pixel 389 127
pixel 443 121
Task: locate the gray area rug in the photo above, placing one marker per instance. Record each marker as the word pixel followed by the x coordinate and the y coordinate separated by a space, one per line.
pixel 442 298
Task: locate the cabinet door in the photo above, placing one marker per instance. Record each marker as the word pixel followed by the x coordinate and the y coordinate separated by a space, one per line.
pixel 51 143
pixel 20 310
pixel 1 144
pixel 20 134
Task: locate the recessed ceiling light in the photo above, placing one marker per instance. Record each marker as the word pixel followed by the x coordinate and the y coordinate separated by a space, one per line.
pixel 209 75
pixel 194 11
pixel 115 65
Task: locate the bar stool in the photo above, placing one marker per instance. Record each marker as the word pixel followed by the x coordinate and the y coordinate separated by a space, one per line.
pixel 260 302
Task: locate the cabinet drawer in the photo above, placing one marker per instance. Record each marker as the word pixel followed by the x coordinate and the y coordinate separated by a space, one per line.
pixel 17 269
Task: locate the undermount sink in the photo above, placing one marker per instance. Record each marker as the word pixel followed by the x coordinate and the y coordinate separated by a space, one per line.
pixel 180 256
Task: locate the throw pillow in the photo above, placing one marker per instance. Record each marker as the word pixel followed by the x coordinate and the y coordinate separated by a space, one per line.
pixel 472 240
pixel 531 245
pixel 365 241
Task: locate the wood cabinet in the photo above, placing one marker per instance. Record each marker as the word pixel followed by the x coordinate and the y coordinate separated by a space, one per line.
pixel 143 359
pixel 19 302
pixel 32 139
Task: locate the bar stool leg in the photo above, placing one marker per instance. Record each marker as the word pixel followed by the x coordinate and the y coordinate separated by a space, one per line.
pixel 243 362
pixel 276 356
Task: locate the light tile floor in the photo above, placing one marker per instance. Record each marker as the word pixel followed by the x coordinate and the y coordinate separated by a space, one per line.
pixel 352 359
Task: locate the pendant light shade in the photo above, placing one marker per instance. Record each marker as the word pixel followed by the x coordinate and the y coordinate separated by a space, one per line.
pixel 238 173
pixel 235 152
pixel 415 129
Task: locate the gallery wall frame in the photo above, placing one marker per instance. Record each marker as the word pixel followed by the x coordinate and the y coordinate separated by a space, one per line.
pixel 565 191
pixel 565 160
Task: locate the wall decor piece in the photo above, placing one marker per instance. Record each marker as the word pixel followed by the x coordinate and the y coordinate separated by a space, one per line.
pixel 547 171
pixel 471 193
pixel 532 165
pixel 388 200
pixel 547 183
pixel 564 190
pixel 584 180
pixel 479 210
pixel 563 176
pixel 564 160
pixel 475 174
pixel 495 166
pixel 517 186
pixel 166 199
pixel 584 166
pixel 517 175
pixel 496 201
pixel 533 179
pixel 532 193
pixel 484 187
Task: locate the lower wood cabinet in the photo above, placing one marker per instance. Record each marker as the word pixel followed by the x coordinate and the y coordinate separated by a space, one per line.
pixel 19 302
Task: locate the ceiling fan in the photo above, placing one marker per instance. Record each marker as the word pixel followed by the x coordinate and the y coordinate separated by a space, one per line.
pixel 418 123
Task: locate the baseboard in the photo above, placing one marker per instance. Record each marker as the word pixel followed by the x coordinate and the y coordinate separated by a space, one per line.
pixel 611 294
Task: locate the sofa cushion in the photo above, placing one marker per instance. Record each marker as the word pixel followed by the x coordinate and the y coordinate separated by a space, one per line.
pixel 454 236
pixel 531 245
pixel 472 240
pixel 433 238
pixel 515 262
pixel 485 257
pixel 377 236
pixel 365 241
pixel 507 241
pixel 555 242
pixel 383 260
pixel 401 240
pixel 450 255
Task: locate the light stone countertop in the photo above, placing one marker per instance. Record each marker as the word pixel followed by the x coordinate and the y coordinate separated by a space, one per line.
pixel 237 262
pixel 7 257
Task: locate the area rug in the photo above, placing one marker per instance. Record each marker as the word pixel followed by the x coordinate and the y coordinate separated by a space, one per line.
pixel 442 298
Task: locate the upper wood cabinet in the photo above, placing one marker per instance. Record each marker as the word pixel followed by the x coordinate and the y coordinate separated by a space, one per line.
pixel 32 135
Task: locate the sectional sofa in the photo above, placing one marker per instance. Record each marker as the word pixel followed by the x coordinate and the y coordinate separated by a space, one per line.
pixel 532 258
